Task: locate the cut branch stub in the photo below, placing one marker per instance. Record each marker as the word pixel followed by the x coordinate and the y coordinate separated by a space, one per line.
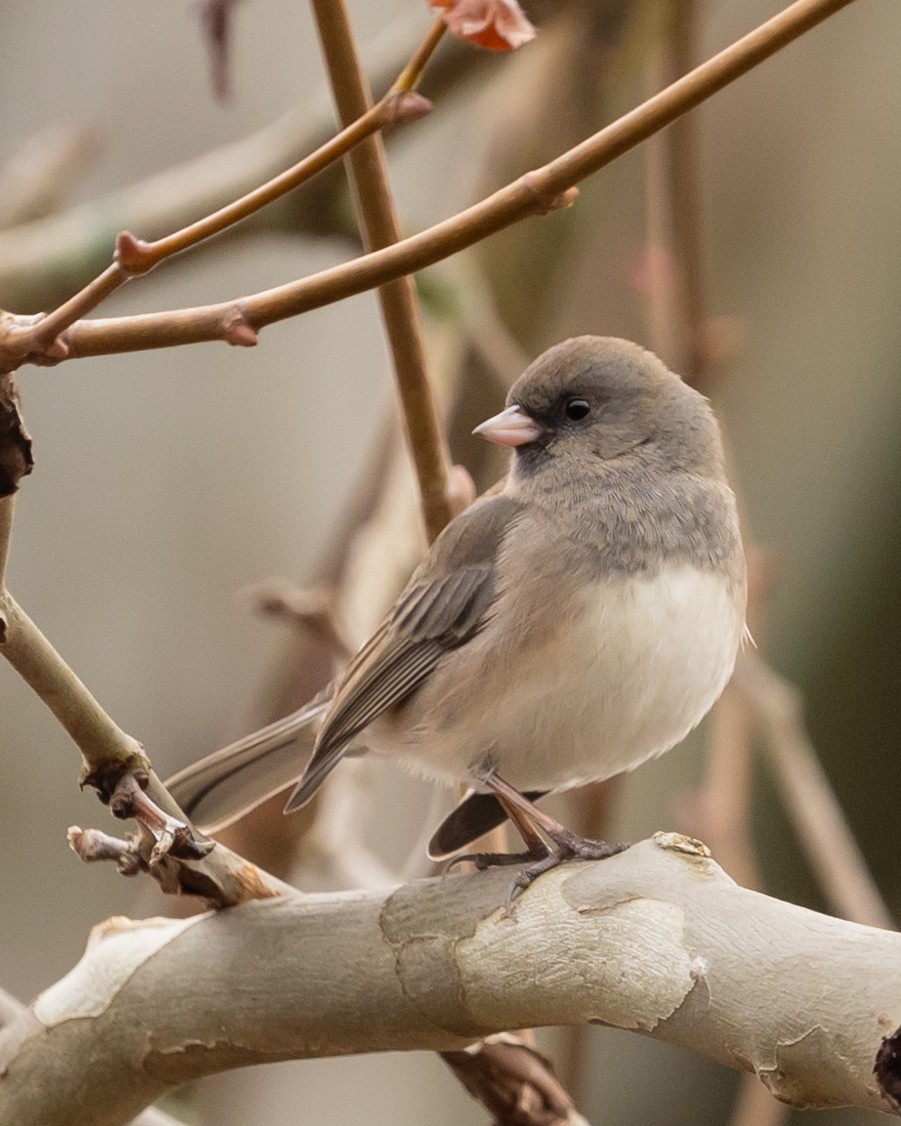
pixel 104 775
pixel 888 1066
pixel 16 460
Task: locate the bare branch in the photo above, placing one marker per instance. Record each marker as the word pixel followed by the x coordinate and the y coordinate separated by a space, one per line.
pixel 546 188
pixel 107 750
pixel 654 940
pixel 40 260
pixel 38 338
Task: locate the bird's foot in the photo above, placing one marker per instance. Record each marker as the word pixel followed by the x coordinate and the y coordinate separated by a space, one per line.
pixel 483 860
pixel 570 846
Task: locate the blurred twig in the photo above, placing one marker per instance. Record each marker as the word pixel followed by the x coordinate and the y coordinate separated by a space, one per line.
pixel 810 800
pixel 10 1008
pixel 40 175
pixel 7 510
pixel 515 1083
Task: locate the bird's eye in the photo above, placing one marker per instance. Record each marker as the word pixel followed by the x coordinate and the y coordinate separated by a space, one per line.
pixel 577 409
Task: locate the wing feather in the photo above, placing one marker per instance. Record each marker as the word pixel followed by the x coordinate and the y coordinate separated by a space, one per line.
pixel 447 600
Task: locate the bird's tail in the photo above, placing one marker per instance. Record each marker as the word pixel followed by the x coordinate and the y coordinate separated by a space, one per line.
pixel 225 785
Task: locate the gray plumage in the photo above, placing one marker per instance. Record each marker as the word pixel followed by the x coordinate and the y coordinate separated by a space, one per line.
pixel 570 624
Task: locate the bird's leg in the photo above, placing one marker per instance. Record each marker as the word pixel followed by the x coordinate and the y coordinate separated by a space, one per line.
pixel 535 845
pixel 528 819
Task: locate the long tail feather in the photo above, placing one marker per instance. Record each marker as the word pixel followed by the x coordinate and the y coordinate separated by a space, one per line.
pixel 229 783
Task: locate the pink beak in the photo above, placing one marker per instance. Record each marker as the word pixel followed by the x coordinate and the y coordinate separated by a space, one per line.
pixel 512 427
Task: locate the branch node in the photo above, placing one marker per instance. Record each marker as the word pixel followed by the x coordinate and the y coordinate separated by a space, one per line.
pixel 405 105
pixel 237 330
pixel 93 845
pixel 546 201
pixel 21 342
pixel 16 459
pixel 172 837
pixel 133 256
pixel 105 775
pixel 677 842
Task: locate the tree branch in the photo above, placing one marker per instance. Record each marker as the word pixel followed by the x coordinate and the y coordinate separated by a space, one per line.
pixel 113 758
pixel 656 940
pixel 134 257
pixel 39 261
pixel 544 189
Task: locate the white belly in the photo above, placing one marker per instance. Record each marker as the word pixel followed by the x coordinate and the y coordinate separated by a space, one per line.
pixel 635 671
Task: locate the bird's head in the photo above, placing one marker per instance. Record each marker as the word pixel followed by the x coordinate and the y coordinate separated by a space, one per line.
pixel 597 402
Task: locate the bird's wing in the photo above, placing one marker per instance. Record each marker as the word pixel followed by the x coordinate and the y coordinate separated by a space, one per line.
pixel 447 600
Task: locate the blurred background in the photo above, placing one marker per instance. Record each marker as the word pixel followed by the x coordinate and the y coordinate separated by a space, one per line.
pixel 167 483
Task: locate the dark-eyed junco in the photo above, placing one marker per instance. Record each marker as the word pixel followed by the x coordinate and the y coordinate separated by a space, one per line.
pixel 576 620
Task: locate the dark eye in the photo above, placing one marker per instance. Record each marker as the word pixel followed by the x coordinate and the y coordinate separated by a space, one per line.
pixel 577 409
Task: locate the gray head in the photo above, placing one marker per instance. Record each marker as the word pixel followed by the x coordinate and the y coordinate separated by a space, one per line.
pixel 603 403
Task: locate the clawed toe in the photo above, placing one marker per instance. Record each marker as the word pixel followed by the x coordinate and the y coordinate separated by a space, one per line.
pixel 573 847
pixel 570 846
pixel 483 860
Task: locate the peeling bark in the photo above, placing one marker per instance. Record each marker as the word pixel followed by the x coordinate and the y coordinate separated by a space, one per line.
pixel 654 940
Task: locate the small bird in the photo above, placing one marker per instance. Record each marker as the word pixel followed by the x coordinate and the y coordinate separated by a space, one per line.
pixel 576 620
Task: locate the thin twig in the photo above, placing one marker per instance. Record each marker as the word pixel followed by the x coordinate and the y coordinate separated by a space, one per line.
pixel 40 262
pixel 816 814
pixel 539 191
pixel 398 300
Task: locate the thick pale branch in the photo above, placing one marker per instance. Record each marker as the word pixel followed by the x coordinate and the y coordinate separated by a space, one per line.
pixel 537 191
pixel 654 940
pixel 107 750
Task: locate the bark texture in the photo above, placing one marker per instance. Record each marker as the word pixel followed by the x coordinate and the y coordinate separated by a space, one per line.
pixel 656 940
